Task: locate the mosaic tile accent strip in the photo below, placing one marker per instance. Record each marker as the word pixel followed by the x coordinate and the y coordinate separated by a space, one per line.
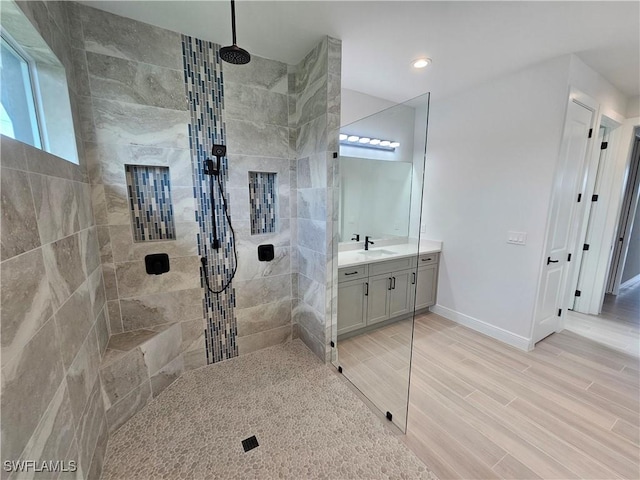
pixel 262 202
pixel 205 93
pixel 149 190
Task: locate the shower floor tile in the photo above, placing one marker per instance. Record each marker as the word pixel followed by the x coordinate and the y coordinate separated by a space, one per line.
pixel 307 422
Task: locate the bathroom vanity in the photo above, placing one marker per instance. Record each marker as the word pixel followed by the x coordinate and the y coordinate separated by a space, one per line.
pixel 380 285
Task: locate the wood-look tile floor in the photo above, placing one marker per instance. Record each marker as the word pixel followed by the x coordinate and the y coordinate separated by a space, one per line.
pixel 481 409
pixel 618 325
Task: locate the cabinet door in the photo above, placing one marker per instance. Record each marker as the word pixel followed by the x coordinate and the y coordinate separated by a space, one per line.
pixel 400 294
pixel 378 299
pixel 352 306
pixel 426 286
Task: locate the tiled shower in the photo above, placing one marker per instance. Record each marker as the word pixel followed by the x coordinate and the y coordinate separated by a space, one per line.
pixel 83 323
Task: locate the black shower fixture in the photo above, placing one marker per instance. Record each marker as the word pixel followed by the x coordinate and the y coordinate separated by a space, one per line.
pixel 233 53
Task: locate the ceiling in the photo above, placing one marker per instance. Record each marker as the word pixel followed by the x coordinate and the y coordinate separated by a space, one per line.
pixel 469 42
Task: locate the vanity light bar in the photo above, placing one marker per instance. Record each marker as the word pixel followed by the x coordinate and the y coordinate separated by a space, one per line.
pixel 367 142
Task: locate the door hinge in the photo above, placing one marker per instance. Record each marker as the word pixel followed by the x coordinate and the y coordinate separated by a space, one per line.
pixel 585 247
pixel 604 145
pixel 579 197
pixel 559 312
pixel 578 293
pixel 594 198
pixel 335 154
pixel 590 132
pixel 569 258
pixel 333 345
pixel 339 369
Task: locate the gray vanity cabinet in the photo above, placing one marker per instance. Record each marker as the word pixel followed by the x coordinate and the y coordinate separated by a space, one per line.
pixel 378 301
pixel 352 305
pixel 426 289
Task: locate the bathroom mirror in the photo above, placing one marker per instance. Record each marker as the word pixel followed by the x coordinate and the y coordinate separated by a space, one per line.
pixel 375 198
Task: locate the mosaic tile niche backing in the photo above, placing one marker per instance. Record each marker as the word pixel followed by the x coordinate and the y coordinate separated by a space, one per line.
pixel 262 202
pixel 204 90
pixel 149 190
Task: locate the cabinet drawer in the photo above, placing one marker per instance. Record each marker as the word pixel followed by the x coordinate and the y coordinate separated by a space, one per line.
pixel 391 265
pixel 428 259
pixel 353 273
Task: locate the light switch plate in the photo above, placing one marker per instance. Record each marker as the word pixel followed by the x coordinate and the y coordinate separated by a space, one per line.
pixel 517 238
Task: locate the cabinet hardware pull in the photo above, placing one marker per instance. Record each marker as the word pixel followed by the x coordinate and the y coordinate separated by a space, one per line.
pixel 413 282
pixel 426 259
pixel 394 283
pixel 390 283
pixel 366 289
pixel 352 273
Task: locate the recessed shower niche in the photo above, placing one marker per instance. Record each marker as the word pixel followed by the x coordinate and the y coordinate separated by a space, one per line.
pixel 262 202
pixel 149 192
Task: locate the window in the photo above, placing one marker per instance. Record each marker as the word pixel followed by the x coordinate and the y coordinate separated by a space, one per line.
pixel 35 106
pixel 19 119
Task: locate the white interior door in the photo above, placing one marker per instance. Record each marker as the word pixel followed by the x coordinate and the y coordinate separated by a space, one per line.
pixel 575 140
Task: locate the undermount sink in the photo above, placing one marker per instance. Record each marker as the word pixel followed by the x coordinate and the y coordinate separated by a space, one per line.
pixel 377 253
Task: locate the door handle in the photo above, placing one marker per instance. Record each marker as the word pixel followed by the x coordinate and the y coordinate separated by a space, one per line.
pixel 390 283
pixel 413 282
pixel 551 261
pixel 366 289
pixel 394 283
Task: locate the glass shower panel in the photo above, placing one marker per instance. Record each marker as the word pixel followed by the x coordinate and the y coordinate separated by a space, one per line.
pixel 381 167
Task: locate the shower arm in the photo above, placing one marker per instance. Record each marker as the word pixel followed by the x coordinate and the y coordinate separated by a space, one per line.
pixel 233 21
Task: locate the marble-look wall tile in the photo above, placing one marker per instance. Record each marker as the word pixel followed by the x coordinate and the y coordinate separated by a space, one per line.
pixel 314 344
pixel 82 374
pixel 13 154
pixel 335 56
pixel 89 428
pixel 333 95
pixel 38 368
pixel 312 171
pixel 167 375
pixel 56 206
pixel 312 264
pixel 263 317
pixel 126 250
pixel 241 165
pixel 259 73
pixel 134 82
pixel 258 341
pixel 162 349
pixel 80 78
pixel 89 250
pixel 117 205
pixel 312 203
pixel 243 102
pixel 99 452
pixel 73 321
pixel 102 331
pixel 249 267
pixel 312 137
pixel 281 238
pixel 160 308
pixel 104 244
pixel 85 210
pixel 63 263
pixel 312 320
pixel 19 228
pixel 115 318
pixel 311 103
pixel 312 234
pixel 99 203
pixel 313 67
pixel 25 301
pixel 122 376
pixel 250 138
pixel 95 284
pixel 312 293
pixel 126 123
pixel 110 283
pixel 129 39
pixel 192 333
pixel 53 436
pixel 133 280
pixel 195 358
pixel 184 205
pixel 251 293
pixel 122 411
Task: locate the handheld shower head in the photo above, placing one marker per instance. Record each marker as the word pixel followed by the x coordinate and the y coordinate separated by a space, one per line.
pixel 233 53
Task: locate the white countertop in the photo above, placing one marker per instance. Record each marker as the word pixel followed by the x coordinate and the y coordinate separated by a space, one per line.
pixel 352 258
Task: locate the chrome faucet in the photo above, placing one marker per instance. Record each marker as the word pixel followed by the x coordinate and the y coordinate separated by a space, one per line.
pixel 367 242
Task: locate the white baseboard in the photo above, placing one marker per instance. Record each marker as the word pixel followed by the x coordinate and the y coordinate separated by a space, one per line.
pixel 492 331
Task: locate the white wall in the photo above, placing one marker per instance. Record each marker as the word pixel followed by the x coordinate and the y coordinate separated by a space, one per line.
pixel 632 261
pixel 633 107
pixel 491 157
pixel 355 105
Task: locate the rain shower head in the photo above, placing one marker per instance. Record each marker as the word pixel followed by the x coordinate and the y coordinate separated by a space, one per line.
pixel 233 53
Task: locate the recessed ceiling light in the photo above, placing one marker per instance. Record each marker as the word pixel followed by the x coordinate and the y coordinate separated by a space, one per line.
pixel 421 62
